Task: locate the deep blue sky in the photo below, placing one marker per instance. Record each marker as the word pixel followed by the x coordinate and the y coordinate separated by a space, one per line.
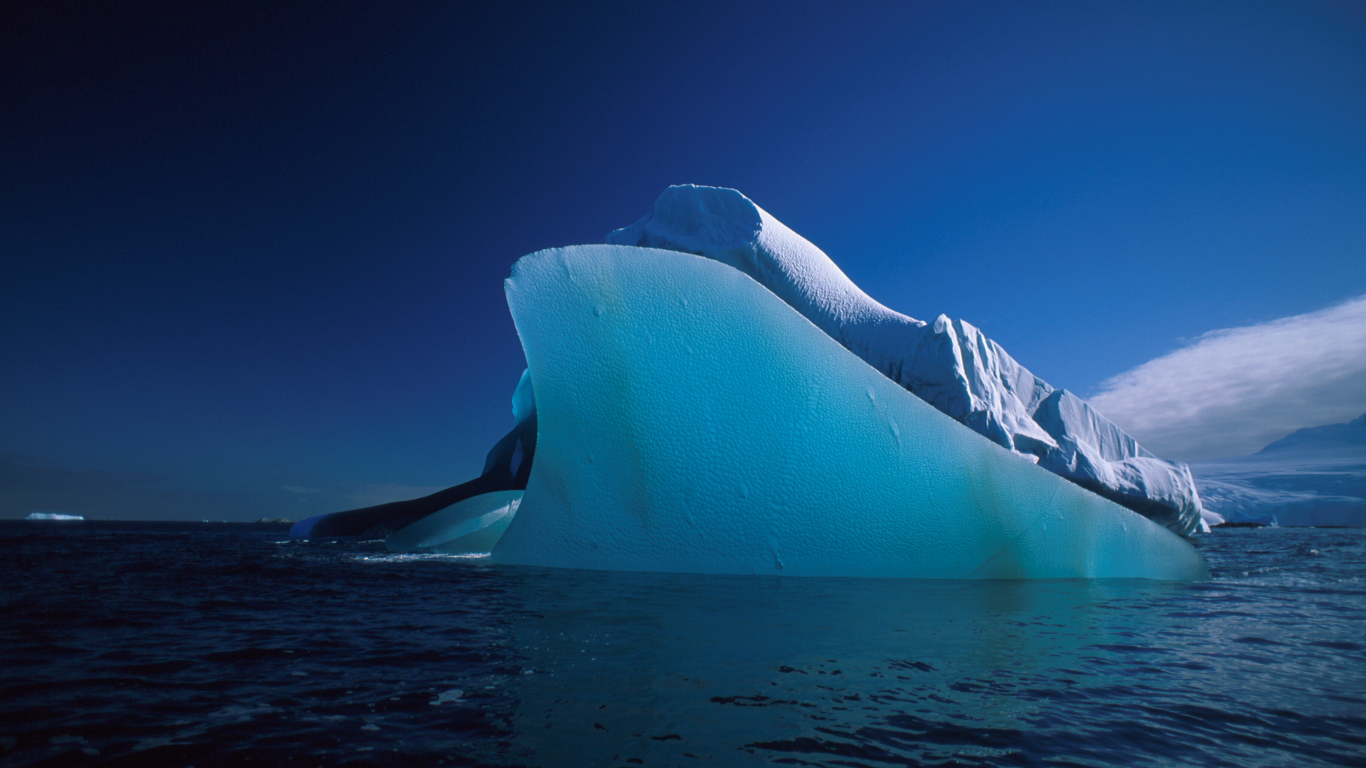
pixel 253 252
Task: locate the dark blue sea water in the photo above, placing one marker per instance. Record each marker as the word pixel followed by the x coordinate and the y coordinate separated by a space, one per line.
pixel 151 644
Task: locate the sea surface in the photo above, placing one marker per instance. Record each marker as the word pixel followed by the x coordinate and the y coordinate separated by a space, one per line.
pixel 179 644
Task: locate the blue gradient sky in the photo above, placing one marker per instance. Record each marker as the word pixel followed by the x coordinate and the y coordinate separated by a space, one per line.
pixel 253 253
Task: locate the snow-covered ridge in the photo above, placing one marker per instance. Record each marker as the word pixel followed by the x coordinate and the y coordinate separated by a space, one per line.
pixel 948 363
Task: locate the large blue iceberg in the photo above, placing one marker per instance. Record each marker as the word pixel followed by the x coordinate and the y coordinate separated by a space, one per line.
pixel 709 393
pixel 691 420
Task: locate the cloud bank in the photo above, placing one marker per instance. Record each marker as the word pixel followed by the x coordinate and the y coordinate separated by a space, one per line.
pixel 1233 391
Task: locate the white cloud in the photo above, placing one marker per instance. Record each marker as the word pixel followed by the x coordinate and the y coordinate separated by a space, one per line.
pixel 1233 391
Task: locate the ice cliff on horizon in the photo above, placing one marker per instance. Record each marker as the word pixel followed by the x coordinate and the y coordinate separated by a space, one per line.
pixel 947 363
pixel 1314 476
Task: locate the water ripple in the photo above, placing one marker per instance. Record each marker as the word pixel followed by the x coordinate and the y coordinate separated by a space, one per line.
pixel 215 645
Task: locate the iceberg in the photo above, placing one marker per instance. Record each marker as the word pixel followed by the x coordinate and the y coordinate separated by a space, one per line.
pixel 949 364
pixel 692 419
pixel 52 516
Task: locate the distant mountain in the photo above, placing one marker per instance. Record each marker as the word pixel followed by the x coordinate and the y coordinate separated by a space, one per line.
pixel 1330 439
pixel 1313 476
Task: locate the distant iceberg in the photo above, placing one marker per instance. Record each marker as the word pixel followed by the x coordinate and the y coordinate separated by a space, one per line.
pixel 690 420
pixel 948 363
pixel 52 516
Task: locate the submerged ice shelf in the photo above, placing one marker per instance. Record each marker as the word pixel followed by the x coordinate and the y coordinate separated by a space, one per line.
pixel 691 420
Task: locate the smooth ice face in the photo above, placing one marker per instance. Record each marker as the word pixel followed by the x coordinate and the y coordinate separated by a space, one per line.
pixel 472 526
pixel 948 363
pixel 690 420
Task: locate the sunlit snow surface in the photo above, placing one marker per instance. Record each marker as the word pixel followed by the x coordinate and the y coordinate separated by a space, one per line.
pixel 692 421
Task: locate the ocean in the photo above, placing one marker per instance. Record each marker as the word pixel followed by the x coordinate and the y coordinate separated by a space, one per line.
pixel 218 644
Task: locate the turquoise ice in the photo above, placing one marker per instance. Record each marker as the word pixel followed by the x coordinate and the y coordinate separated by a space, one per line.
pixel 469 527
pixel 690 420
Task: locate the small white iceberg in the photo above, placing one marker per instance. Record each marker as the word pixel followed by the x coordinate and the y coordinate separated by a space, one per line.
pixel 52 516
